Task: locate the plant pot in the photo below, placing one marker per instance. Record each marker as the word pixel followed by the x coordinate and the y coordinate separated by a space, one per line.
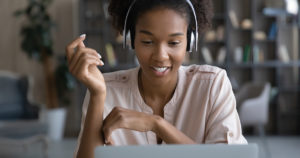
pixel 55 120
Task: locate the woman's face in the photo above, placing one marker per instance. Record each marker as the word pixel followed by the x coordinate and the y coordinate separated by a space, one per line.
pixel 160 43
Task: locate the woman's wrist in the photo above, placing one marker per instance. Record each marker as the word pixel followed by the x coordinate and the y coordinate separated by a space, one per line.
pixel 157 121
pixel 97 93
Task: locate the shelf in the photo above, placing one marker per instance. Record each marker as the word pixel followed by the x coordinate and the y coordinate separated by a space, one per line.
pixel 290 64
pixel 268 64
pixel 240 65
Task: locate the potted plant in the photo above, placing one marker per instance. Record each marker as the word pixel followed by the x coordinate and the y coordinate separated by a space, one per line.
pixel 37 43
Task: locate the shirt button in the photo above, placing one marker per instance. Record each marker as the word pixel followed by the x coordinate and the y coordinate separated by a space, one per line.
pixel 231 134
pixel 124 78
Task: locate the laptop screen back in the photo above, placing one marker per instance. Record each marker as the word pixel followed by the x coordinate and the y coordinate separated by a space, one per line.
pixel 178 151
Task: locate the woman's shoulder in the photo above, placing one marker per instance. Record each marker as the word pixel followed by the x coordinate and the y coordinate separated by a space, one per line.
pixel 202 71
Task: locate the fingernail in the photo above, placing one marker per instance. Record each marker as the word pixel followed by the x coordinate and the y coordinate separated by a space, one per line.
pixel 82 36
pixel 102 63
pixel 99 56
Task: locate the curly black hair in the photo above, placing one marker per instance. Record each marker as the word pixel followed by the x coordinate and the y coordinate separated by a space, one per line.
pixel 119 8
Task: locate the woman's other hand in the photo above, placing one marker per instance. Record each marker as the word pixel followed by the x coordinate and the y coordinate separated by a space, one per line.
pixel 83 62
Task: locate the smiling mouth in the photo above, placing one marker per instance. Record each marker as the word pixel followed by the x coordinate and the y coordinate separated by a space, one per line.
pixel 160 69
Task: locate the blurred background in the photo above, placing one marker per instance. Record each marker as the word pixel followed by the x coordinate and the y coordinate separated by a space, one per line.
pixel 255 41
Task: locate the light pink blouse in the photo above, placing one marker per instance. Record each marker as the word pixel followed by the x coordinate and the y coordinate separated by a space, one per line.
pixel 203 106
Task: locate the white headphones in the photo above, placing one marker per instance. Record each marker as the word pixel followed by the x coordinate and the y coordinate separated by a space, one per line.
pixel 192 34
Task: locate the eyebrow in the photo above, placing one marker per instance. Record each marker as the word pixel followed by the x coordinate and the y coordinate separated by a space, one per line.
pixel 149 33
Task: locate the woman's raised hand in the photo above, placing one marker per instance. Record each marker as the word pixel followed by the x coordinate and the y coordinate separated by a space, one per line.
pixel 83 62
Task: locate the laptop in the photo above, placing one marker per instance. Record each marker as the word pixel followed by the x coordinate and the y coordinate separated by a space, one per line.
pixel 178 151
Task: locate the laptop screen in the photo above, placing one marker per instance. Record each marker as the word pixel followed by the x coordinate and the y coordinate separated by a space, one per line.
pixel 178 151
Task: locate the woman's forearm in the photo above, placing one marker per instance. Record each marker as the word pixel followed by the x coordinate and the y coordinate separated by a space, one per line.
pixel 170 134
pixel 92 135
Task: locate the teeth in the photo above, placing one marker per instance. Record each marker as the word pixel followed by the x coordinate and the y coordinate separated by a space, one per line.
pixel 160 69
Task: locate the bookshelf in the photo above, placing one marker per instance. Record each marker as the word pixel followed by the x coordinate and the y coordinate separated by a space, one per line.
pixel 95 22
pixel 261 64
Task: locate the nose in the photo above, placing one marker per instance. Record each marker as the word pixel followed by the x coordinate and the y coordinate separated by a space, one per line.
pixel 160 54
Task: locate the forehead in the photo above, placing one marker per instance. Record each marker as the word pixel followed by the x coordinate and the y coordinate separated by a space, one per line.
pixel 163 19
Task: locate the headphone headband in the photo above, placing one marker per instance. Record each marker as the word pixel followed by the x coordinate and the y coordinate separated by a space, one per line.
pixel 125 32
pixel 125 25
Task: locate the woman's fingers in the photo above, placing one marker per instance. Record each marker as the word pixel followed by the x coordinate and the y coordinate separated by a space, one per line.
pixel 81 45
pixel 127 119
pixel 70 50
pixel 82 51
pixel 113 121
pixel 82 68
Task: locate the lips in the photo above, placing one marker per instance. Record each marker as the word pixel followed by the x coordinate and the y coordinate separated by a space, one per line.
pixel 160 70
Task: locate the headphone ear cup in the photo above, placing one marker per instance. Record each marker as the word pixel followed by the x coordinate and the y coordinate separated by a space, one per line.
pixel 128 40
pixel 191 41
pixel 132 35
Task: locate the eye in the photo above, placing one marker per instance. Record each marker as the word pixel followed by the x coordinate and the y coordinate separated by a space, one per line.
pixel 174 43
pixel 147 42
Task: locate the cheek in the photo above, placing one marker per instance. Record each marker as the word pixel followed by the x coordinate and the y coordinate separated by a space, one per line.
pixel 142 56
pixel 180 55
pixel 180 58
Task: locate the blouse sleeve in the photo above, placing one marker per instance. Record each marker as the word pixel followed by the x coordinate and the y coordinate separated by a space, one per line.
pixel 223 123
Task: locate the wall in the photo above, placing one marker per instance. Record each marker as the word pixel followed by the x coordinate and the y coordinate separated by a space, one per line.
pixel 65 15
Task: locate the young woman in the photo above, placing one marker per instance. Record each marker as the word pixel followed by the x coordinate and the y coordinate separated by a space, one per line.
pixel 160 101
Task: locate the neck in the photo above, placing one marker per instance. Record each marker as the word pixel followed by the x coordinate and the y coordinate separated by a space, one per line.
pixel 156 91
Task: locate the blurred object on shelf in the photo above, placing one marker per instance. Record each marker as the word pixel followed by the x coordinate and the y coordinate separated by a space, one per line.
pixel 111 57
pixel 292 6
pixel 258 54
pixel 105 10
pixel 246 24
pixel 260 35
pixel 272 31
pixel 238 54
pixel 220 33
pixel 283 54
pixel 233 19
pixel 207 55
pixel 221 55
pixel 210 36
pixel 255 54
pixel 261 56
pixel 274 12
pixel 247 51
